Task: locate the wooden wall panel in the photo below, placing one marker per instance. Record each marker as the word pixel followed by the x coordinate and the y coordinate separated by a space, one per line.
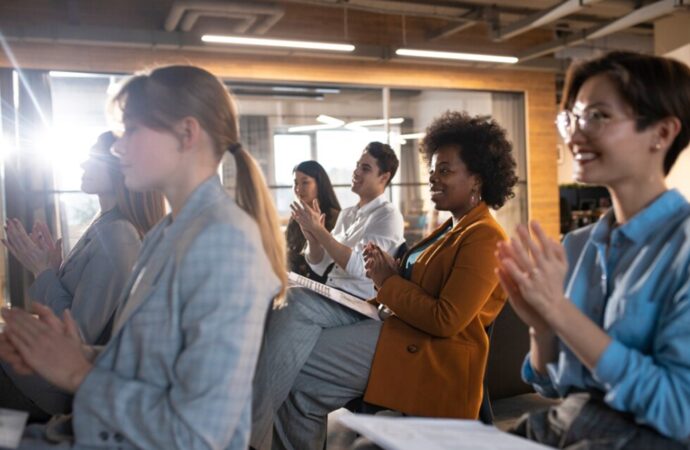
pixel 538 87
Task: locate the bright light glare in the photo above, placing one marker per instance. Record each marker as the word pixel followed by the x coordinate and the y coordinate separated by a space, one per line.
pixel 376 122
pixel 283 43
pixel 456 56
pixel 413 136
pixel 6 148
pixel 64 149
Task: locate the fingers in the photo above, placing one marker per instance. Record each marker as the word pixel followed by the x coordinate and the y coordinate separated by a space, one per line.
pixel 509 286
pixel 71 327
pixel 315 205
pixel 47 316
pixel 10 354
pixel 552 249
pixel 528 244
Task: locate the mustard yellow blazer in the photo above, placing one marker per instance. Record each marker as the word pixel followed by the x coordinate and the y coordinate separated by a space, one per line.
pixel 431 356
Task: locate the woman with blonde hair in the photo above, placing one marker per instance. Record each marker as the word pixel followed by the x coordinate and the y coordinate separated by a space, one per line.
pixel 178 371
pixel 90 281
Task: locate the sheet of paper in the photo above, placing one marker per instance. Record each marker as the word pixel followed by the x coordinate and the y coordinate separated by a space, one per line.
pixel 338 296
pixel 411 433
pixel 12 424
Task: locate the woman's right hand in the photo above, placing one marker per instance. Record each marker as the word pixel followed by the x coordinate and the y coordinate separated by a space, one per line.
pixel 21 245
pixel 44 240
pixel 524 310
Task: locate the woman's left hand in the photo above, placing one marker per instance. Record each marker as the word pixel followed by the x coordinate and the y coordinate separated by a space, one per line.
pixel 46 346
pixel 379 265
pixel 538 267
pixel 30 255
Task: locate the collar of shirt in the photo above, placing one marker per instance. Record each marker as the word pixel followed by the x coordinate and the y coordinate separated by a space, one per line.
pixel 372 205
pixel 640 226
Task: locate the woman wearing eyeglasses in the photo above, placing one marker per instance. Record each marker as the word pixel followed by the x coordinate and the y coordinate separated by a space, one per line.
pixel 609 310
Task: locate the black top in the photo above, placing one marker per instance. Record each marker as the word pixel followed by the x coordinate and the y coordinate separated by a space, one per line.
pixel 296 243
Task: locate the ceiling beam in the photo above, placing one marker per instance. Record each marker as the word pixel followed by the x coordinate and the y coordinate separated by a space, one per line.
pixel 644 14
pixel 540 19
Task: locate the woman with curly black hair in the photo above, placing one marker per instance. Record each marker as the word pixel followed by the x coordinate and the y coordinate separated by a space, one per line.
pixel 427 358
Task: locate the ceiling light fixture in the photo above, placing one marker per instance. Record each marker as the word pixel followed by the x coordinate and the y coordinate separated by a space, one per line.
pixel 323 118
pixel 456 56
pixel 283 43
pixel 413 136
pixel 376 122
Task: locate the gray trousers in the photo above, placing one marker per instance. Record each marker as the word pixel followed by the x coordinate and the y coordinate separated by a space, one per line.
pixel 315 357
pixel 582 421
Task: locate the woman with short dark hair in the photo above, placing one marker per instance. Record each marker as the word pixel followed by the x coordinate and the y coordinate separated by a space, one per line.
pixel 609 310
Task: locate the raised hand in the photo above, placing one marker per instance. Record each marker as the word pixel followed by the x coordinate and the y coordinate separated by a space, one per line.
pixel 532 272
pixel 22 246
pixel 44 240
pixel 309 217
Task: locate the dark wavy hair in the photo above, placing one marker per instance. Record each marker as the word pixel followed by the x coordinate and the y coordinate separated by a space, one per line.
pixel 653 86
pixel 483 147
pixel 325 193
pixel 385 157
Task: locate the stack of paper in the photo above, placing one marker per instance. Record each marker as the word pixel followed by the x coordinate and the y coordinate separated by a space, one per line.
pixel 411 433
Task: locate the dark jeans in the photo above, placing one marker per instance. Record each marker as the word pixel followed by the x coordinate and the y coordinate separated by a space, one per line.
pixel 584 422
pixel 12 398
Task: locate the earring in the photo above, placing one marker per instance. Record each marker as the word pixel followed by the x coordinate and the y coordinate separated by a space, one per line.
pixel 657 146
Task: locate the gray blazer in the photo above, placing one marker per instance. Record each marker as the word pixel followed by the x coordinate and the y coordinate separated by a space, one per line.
pixel 177 372
pixel 90 283
pixel 92 277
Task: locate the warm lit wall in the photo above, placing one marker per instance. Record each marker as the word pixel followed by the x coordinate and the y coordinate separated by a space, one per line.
pixel 672 39
pixel 538 88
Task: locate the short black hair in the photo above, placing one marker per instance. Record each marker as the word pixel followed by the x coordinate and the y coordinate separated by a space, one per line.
pixel 653 86
pixel 385 158
pixel 483 147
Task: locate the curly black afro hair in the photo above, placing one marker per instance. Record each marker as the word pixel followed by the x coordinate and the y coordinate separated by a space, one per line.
pixel 482 146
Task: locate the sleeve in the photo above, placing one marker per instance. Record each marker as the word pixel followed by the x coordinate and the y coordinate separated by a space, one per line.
pixel 654 387
pixel 97 295
pixel 469 286
pixel 222 291
pixel 541 383
pixel 110 256
pixel 385 230
pixel 321 267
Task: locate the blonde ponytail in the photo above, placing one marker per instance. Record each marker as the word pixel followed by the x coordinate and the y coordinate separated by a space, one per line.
pixel 253 196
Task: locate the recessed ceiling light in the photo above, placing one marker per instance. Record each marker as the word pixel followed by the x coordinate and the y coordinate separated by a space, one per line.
pixel 283 43
pixel 456 56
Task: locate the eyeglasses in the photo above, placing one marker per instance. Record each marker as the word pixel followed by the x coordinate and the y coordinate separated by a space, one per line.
pixel 591 122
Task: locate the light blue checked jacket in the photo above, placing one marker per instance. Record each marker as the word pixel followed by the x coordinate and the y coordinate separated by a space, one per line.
pixel 177 372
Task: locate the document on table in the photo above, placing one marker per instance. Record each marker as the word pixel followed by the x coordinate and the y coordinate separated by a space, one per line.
pixel 412 433
pixel 338 296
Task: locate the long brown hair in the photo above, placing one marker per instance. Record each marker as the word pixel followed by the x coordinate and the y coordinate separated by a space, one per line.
pixel 165 96
pixel 141 209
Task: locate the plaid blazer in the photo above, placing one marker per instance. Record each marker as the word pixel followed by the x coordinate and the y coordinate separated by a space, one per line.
pixel 178 369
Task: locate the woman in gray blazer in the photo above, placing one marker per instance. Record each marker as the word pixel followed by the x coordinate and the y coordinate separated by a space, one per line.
pixel 89 282
pixel 177 372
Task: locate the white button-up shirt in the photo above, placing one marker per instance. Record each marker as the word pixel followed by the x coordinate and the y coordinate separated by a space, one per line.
pixel 379 222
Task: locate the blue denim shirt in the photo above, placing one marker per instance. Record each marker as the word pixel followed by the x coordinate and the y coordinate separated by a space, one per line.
pixel 634 282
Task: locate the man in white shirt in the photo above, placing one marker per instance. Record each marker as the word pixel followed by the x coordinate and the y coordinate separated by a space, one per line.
pixel 374 219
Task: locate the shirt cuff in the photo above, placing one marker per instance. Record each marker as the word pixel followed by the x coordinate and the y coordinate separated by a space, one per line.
pixel 530 376
pixel 320 267
pixel 612 364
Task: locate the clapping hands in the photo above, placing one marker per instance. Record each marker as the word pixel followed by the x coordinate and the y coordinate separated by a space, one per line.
pixel 45 345
pixel 378 264
pixel 36 251
pixel 309 217
pixel 532 272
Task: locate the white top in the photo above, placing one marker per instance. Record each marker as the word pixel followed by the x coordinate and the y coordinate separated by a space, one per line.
pixel 379 222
